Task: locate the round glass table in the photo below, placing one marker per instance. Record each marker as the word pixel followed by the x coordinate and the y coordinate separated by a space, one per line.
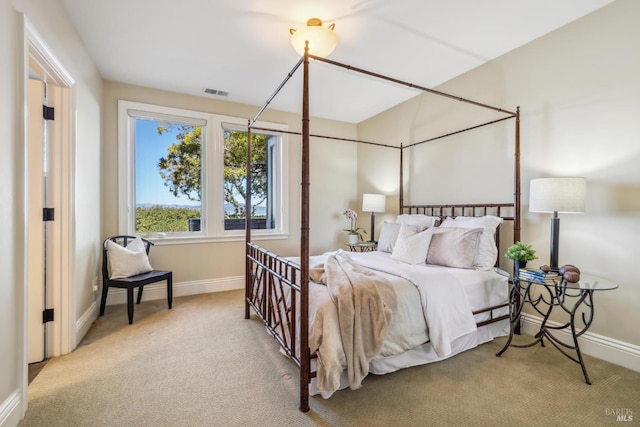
pixel 546 294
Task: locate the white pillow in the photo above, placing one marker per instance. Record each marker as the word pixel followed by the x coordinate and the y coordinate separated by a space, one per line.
pixel 487 249
pixel 129 261
pixel 388 236
pixel 454 247
pixel 420 220
pixel 412 245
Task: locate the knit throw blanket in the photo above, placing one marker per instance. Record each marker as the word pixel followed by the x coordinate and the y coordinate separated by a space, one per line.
pixel 366 304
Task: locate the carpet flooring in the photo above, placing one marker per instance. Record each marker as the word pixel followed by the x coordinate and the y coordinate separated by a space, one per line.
pixel 203 364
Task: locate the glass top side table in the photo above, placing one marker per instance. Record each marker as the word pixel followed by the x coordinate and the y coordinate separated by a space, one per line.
pixel 363 246
pixel 558 294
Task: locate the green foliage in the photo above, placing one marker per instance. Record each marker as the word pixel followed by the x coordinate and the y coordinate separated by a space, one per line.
pixel 235 170
pixel 181 168
pixel 160 219
pixel 521 251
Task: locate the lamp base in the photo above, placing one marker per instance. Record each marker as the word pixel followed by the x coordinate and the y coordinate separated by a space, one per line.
pixel 373 227
pixel 555 242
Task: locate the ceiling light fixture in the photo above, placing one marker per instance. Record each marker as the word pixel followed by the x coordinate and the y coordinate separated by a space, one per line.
pixel 322 41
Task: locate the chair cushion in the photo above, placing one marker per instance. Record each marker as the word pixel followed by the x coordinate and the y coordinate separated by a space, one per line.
pixel 127 261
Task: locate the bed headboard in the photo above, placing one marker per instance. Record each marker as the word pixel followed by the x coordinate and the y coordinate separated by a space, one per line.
pixel 503 210
pixel 506 211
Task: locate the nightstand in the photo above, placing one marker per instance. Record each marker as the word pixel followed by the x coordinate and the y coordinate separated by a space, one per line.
pixel 363 247
pixel 574 299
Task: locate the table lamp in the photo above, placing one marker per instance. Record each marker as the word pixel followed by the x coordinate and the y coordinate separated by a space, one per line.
pixel 564 194
pixel 373 203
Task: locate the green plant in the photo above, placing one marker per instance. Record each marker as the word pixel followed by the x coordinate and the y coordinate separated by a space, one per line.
pixel 521 251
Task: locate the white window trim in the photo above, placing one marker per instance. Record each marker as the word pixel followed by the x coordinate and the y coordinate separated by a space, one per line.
pixel 212 152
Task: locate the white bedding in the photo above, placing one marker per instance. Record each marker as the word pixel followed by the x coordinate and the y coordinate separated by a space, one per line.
pixel 433 319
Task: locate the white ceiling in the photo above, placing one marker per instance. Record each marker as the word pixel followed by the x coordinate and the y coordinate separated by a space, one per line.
pixel 242 46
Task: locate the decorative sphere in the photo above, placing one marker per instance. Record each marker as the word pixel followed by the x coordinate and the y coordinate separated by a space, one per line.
pixel 568 267
pixel 571 276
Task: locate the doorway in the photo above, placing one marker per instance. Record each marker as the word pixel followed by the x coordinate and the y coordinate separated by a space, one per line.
pixel 49 202
pixel 37 165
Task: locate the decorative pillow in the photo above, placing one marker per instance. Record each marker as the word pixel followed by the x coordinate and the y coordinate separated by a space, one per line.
pixel 420 220
pixel 127 261
pixel 388 236
pixel 487 249
pixel 412 245
pixel 454 247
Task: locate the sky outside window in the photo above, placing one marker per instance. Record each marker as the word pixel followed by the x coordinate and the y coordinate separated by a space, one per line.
pixel 149 148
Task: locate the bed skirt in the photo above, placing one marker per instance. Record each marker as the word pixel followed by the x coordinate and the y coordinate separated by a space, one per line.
pixel 423 354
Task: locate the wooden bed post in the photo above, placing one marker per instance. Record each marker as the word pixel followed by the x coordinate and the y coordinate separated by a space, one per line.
pixel 247 270
pixel 305 362
pixel 516 223
pixel 401 187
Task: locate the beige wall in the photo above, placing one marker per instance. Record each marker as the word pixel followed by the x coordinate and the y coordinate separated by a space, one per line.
pixel 579 90
pixel 11 287
pixel 333 177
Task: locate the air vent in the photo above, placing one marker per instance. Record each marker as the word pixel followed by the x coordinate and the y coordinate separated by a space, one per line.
pixel 216 92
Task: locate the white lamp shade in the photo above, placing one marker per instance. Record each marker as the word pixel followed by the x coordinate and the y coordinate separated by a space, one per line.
pixel 322 41
pixel 565 194
pixel 373 202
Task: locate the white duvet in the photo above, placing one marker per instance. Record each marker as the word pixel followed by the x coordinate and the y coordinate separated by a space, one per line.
pixel 431 305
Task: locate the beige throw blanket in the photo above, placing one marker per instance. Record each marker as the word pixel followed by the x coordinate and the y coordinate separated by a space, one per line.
pixel 366 305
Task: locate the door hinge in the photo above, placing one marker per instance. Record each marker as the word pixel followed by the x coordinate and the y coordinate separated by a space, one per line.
pixel 47 214
pixel 47 315
pixel 47 112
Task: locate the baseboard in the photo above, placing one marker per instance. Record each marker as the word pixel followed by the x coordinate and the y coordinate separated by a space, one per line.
pixel 10 410
pixel 159 290
pixel 84 322
pixel 605 348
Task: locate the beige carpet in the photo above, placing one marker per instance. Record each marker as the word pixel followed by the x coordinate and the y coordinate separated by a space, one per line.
pixel 203 364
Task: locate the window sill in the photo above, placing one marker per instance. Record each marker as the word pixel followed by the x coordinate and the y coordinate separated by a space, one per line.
pixel 192 239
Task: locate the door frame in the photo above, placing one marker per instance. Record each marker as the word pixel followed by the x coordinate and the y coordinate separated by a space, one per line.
pixel 62 335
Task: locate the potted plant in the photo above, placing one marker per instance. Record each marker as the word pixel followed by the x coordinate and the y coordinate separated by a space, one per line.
pixel 354 232
pixel 520 253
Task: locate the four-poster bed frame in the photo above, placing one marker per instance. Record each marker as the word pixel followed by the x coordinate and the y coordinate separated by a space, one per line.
pixel 267 274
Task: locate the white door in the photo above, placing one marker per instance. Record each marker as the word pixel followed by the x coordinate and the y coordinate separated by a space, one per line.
pixel 39 234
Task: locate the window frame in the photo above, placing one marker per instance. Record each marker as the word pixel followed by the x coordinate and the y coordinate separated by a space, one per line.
pixel 212 151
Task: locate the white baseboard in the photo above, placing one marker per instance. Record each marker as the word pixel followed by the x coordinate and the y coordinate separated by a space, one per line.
pixel 84 322
pixel 605 348
pixel 159 290
pixel 10 410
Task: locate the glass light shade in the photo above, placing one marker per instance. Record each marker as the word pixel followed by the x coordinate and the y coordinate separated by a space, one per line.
pixel 322 41
pixel 557 194
pixel 373 202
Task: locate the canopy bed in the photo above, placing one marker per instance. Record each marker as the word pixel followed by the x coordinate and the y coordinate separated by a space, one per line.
pixel 298 299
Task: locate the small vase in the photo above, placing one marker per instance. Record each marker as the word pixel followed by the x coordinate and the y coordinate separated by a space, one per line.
pixel 517 265
pixel 353 238
pixel 520 263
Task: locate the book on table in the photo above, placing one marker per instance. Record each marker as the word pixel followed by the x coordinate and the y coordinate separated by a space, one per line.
pixel 538 276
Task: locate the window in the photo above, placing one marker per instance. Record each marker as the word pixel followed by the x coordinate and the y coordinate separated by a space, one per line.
pixel 183 175
pixel 264 154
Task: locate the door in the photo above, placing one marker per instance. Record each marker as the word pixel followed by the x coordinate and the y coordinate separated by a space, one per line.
pixel 39 234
